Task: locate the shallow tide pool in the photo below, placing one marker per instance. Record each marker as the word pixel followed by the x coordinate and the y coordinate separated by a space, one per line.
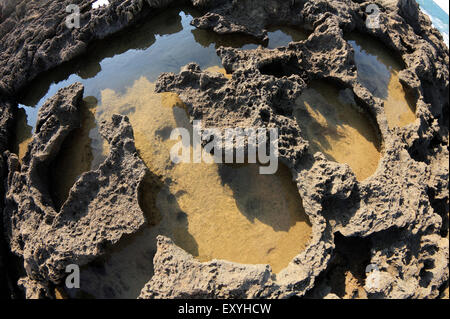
pixel 378 71
pixel 332 123
pixel 212 211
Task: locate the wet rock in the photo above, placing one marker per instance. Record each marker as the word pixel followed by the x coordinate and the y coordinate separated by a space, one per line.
pixel 101 208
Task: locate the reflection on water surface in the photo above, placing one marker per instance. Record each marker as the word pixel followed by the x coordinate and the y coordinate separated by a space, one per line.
pixel 378 71
pixel 211 211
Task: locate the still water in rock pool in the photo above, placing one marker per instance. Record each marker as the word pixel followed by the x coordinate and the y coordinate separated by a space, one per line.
pixel 330 119
pixel 378 71
pixel 211 211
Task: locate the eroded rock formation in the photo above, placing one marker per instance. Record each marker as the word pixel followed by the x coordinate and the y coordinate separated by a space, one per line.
pixel 102 206
pixel 262 92
pixel 401 211
pixel 34 36
pixel 7 109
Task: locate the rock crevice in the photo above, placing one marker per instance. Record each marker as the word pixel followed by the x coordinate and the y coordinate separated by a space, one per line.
pixel 102 205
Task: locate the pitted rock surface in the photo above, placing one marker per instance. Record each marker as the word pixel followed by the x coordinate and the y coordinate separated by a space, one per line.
pixel 401 211
pixel 101 208
pixel 7 113
pixel 261 92
pixel 34 36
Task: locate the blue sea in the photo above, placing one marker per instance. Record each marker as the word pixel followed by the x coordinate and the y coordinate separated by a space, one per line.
pixel 438 16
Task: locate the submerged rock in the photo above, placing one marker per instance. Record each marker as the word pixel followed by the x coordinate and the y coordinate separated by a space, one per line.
pixel 102 206
pixel 407 266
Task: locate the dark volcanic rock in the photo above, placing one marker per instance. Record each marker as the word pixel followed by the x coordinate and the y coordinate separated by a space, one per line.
pixel 34 36
pixel 101 208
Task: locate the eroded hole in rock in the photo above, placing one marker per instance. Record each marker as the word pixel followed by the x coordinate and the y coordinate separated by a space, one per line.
pixel 335 125
pixel 212 211
pixel 178 200
pixel 128 266
pixel 23 133
pixel 378 70
pixel 81 151
pixel 346 273
pixel 424 150
pixel 280 67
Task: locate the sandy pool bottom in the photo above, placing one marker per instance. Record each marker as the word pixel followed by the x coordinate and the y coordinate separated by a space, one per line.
pixel 378 71
pixel 330 120
pixel 213 211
